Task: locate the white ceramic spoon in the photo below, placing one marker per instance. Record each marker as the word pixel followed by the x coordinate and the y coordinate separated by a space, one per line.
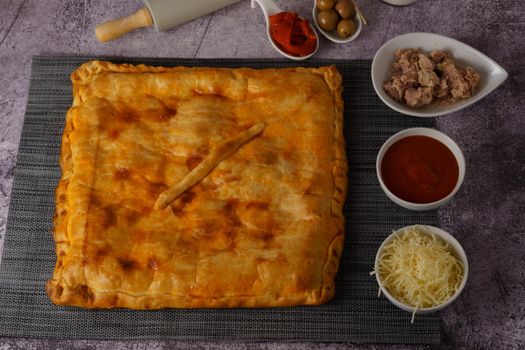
pixel 399 2
pixel 270 8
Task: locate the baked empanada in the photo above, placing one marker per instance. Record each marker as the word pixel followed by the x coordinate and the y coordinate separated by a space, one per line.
pixel 264 228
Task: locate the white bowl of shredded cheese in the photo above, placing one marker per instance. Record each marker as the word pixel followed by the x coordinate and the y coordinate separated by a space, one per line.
pixel 421 269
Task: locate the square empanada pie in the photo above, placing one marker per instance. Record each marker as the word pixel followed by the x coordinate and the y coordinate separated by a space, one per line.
pixel 263 228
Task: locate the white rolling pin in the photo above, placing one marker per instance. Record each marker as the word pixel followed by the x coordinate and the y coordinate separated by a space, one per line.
pixel 163 14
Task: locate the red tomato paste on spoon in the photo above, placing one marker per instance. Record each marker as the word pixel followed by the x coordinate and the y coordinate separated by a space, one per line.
pixel 292 34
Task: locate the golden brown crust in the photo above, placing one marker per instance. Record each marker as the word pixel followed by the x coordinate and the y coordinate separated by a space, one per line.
pixel 264 228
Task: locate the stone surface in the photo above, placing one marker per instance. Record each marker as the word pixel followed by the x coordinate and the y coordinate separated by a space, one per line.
pixel 486 215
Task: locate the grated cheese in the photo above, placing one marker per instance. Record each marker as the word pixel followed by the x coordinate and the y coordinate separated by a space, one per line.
pixel 420 269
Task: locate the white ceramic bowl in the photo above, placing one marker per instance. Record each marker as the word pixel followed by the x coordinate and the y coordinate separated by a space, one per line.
pixel 333 36
pixel 459 252
pixel 270 8
pixel 492 74
pixel 444 139
pixel 399 2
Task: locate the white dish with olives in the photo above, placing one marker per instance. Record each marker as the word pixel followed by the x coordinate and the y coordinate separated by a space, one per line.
pixel 337 20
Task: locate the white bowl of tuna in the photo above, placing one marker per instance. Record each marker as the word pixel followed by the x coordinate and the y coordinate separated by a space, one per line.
pixel 428 75
pixel 421 269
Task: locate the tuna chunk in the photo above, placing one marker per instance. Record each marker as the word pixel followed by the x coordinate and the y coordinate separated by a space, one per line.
pixel 463 83
pixel 425 63
pixel 427 77
pixel 438 56
pixel 418 79
pixel 397 86
pixel 472 78
pixel 442 90
pixel 416 98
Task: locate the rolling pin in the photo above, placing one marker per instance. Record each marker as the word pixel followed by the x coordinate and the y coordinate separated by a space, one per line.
pixel 163 14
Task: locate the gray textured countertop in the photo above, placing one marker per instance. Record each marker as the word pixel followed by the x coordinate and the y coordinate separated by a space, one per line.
pixel 486 215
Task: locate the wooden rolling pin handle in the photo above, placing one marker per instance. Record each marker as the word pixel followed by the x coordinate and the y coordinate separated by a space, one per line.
pixel 116 28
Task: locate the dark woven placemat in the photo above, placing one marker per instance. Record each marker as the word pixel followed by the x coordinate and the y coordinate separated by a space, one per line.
pixel 355 315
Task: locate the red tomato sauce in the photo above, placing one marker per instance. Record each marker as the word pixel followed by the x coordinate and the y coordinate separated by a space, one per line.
pixel 419 169
pixel 292 34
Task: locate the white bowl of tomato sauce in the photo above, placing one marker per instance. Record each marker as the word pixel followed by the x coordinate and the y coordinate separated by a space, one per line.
pixel 420 168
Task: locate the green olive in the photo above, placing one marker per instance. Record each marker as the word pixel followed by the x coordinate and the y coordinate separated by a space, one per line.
pixel 346 28
pixel 345 8
pixel 327 20
pixel 325 4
